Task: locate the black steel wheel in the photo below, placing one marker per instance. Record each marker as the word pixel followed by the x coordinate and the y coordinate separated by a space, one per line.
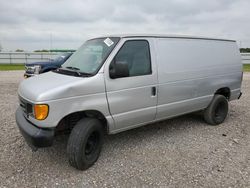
pixel 85 143
pixel 217 110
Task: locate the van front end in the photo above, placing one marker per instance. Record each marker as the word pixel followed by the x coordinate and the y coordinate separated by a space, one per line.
pixel 44 104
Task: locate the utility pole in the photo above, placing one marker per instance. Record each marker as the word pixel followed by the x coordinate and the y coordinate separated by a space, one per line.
pixel 1 47
pixel 50 46
pixel 50 41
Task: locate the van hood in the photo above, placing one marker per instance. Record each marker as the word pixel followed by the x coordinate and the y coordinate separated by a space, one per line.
pixel 43 63
pixel 51 86
pixel 39 63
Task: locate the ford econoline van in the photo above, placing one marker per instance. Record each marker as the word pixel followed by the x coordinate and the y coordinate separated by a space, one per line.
pixel 115 83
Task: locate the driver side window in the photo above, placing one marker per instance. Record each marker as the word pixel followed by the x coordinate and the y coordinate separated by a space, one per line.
pixel 136 54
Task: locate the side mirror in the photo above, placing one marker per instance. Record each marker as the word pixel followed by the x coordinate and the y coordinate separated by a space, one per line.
pixel 118 69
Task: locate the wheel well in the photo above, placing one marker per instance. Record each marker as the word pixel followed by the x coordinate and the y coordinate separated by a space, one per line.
pixel 68 122
pixel 225 91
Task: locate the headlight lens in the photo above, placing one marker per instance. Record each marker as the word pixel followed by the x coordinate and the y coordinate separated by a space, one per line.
pixel 30 69
pixel 37 69
pixel 41 111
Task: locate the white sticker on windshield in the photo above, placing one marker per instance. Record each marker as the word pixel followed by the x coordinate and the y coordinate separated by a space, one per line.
pixel 108 42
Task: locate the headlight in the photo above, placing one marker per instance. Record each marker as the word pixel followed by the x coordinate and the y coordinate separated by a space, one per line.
pixel 41 111
pixel 37 69
pixel 30 69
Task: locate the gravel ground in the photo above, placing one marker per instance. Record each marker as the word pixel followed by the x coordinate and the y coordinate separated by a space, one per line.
pixel 181 152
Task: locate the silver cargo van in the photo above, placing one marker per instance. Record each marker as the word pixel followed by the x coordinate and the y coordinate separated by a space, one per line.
pixel 115 83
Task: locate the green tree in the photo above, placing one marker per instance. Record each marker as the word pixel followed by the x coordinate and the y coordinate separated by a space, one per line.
pixel 43 50
pixel 19 50
pixel 245 50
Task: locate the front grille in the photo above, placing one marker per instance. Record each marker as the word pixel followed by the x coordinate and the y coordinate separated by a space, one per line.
pixel 26 106
pixel 23 105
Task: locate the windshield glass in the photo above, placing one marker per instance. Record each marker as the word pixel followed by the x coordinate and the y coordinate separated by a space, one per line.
pixel 60 57
pixel 91 55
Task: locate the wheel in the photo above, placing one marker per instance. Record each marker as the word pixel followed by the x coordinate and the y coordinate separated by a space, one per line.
pixel 85 143
pixel 217 110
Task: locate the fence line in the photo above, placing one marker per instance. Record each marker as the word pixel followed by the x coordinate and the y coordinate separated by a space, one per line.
pixel 27 57
pixel 245 58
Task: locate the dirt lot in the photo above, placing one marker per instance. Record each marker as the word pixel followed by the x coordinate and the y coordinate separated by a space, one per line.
pixel 182 152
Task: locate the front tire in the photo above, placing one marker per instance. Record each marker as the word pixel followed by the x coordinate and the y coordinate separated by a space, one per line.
pixel 217 110
pixel 85 143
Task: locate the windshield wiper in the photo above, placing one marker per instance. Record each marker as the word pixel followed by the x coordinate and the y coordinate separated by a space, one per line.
pixel 79 72
pixel 72 68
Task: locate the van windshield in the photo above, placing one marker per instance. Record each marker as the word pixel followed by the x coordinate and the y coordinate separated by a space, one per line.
pixel 91 55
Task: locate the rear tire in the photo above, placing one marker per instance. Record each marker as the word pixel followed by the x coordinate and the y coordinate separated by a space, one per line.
pixel 85 143
pixel 217 110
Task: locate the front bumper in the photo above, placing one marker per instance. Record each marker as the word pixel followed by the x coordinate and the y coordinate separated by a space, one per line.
pixel 34 136
pixel 27 75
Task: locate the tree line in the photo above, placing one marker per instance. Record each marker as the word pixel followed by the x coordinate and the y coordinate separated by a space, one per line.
pixel 245 50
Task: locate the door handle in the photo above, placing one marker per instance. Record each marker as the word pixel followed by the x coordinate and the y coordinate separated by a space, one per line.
pixel 153 91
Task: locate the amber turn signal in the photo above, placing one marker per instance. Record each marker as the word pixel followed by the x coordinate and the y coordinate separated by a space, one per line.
pixel 41 111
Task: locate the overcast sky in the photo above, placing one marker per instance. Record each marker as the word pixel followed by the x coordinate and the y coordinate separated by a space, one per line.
pixel 29 25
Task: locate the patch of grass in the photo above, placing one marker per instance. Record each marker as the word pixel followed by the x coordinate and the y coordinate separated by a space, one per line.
pixel 5 67
pixel 246 68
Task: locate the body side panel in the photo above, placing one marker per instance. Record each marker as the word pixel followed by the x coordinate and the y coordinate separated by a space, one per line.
pixel 192 70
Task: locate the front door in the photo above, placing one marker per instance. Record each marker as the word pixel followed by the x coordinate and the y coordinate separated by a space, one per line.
pixel 133 98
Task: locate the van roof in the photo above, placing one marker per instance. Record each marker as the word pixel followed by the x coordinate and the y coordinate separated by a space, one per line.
pixel 167 36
